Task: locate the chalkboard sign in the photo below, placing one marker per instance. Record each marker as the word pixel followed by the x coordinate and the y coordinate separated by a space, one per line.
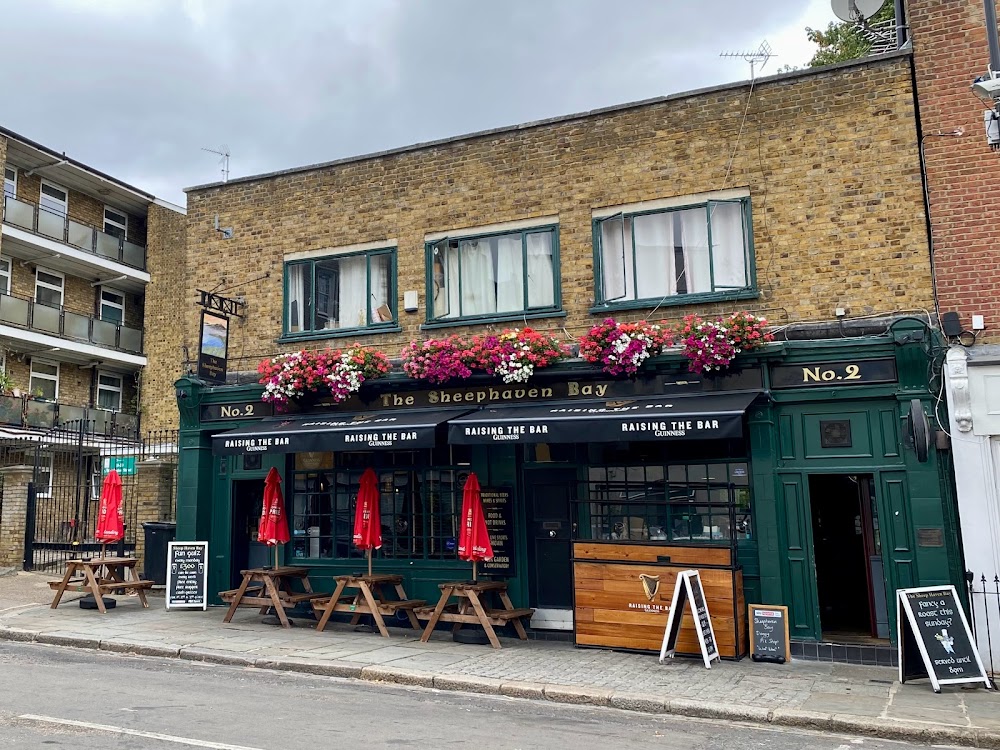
pixel 934 638
pixel 498 508
pixel 187 575
pixel 688 588
pixel 769 633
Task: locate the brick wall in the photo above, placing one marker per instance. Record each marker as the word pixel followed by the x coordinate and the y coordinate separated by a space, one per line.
pixel 830 159
pixel 166 300
pixel 949 51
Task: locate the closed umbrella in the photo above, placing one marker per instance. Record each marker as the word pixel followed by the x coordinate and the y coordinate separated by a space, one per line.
pixel 474 539
pixel 368 516
pixel 273 528
pixel 110 514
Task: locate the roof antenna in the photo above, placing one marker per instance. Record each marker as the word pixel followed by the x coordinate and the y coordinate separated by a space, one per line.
pixel 761 55
pixel 223 152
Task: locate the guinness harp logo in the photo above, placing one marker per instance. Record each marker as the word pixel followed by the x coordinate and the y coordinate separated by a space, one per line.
pixel 619 404
pixel 361 417
pixel 650 584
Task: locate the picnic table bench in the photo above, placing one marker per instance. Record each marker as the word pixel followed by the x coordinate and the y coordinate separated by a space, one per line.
pixel 269 587
pixel 369 599
pixel 99 576
pixel 470 610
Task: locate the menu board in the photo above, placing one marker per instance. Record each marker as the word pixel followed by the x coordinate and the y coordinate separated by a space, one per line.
pixel 934 638
pixel 498 508
pixel 769 633
pixel 187 575
pixel 688 588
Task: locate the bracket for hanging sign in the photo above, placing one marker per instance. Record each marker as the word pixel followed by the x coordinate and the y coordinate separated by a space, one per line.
pixel 224 305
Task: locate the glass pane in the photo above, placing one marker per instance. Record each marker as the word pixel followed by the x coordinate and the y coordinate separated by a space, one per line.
pixel 14 310
pixel 541 273
pixel 42 368
pixel 104 333
pixel 75 325
pixel 444 278
pixel 109 399
pixel 134 255
pixel 299 283
pixel 738 474
pixel 107 245
pixel 111 313
pixel 43 387
pixel 53 196
pixel 654 255
pixel 381 301
pixel 81 235
pixel 50 279
pixel 694 265
pixel 110 380
pixel 728 245
pixel 616 260
pixel 51 224
pixel 130 339
pixel 478 278
pixel 18 213
pixel 717 473
pixel 115 216
pixel 677 474
pixel 45 318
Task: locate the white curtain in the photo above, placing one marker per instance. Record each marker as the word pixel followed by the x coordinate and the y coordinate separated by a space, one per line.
pixel 353 292
pixel 478 282
pixel 380 265
pixel 297 280
pixel 729 255
pixel 654 256
pixel 694 238
pixel 451 300
pixel 616 260
pixel 510 274
pixel 541 275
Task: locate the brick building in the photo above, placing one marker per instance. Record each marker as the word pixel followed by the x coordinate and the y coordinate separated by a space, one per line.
pixel 805 206
pixel 76 256
pixel 950 51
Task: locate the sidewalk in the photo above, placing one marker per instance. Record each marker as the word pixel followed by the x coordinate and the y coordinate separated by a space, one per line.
pixel 833 697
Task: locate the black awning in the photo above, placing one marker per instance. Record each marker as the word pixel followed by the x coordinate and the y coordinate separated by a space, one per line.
pixel 383 430
pixel 701 417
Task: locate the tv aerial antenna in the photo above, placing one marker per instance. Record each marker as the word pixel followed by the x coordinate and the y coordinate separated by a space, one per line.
pixel 881 36
pixel 759 56
pixel 223 152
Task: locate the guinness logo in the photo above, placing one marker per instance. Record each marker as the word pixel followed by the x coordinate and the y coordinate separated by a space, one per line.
pixel 619 404
pixel 361 417
pixel 650 584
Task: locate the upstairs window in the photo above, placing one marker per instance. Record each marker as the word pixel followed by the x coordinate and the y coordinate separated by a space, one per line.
pixel 54 199
pixel 115 223
pixel 674 253
pixel 49 287
pixel 112 305
pixel 9 182
pixel 109 391
pixel 341 292
pixel 44 379
pixel 493 275
pixel 4 275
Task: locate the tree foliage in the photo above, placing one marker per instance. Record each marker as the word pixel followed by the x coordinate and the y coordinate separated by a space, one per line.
pixel 844 41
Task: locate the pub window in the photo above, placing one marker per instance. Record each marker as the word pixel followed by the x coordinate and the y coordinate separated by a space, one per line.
pixel 699 502
pixel 493 275
pixel 678 254
pixel 340 293
pixel 420 494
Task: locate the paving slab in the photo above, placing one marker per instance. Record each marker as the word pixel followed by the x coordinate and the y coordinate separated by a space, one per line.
pixel 864 700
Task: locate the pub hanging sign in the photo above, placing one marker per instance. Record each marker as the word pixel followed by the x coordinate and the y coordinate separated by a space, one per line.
pixel 213 347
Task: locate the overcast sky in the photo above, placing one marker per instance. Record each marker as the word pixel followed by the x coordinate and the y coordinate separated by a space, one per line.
pixel 137 88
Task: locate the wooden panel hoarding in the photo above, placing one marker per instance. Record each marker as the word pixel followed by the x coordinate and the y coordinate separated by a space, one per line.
pixel 622 596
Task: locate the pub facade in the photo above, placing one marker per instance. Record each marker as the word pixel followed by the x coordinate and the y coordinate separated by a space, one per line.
pixel 804 474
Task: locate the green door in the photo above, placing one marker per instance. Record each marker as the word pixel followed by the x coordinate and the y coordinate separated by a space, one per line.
pixel 797 548
pixel 895 530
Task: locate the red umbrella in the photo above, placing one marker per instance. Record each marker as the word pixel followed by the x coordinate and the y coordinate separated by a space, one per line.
pixel 273 528
pixel 474 539
pixel 110 514
pixel 368 516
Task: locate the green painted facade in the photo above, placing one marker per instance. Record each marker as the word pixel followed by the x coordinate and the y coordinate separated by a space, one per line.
pixel 917 529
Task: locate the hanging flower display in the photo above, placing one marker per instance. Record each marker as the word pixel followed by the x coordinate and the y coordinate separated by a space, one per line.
pixel 438 360
pixel 516 353
pixel 748 331
pixel 711 345
pixel 335 373
pixel 621 348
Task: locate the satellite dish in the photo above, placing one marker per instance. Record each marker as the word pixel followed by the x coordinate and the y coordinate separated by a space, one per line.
pixel 855 10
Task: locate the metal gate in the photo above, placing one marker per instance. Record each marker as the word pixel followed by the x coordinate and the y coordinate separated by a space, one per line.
pixel 70 463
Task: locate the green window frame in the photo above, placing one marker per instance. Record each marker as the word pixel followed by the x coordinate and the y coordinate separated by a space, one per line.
pixel 691 273
pixel 312 289
pixel 447 262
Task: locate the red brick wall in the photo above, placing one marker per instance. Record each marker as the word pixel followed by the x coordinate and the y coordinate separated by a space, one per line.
pixel 950 50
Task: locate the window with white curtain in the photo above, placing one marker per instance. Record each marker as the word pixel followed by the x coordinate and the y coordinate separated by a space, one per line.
pixel 690 250
pixel 494 275
pixel 340 292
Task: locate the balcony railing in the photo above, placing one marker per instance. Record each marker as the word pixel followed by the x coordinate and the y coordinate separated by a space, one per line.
pixel 24 411
pixel 34 218
pixel 25 313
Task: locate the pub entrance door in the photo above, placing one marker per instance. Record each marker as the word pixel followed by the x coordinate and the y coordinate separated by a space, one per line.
pixel 847 553
pixel 549 492
pixel 247 552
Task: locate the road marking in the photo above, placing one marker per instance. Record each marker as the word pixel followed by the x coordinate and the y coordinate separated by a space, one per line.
pixel 135 733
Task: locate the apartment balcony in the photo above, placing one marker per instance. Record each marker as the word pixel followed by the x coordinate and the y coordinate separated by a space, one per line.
pixel 72 246
pixel 26 314
pixel 27 412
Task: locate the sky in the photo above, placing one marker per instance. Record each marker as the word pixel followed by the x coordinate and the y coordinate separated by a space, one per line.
pixel 138 88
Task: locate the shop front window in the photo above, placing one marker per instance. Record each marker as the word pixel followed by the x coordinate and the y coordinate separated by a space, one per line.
pixel 420 494
pixel 678 502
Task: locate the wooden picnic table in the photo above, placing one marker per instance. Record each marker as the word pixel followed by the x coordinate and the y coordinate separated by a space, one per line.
pixel 369 599
pixel 269 587
pixel 99 576
pixel 470 609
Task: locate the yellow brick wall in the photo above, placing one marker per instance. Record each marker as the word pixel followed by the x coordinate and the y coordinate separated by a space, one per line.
pixel 830 160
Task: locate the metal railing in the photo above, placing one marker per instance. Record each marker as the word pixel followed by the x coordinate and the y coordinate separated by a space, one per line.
pixel 24 411
pixel 24 312
pixel 39 220
pixel 984 616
